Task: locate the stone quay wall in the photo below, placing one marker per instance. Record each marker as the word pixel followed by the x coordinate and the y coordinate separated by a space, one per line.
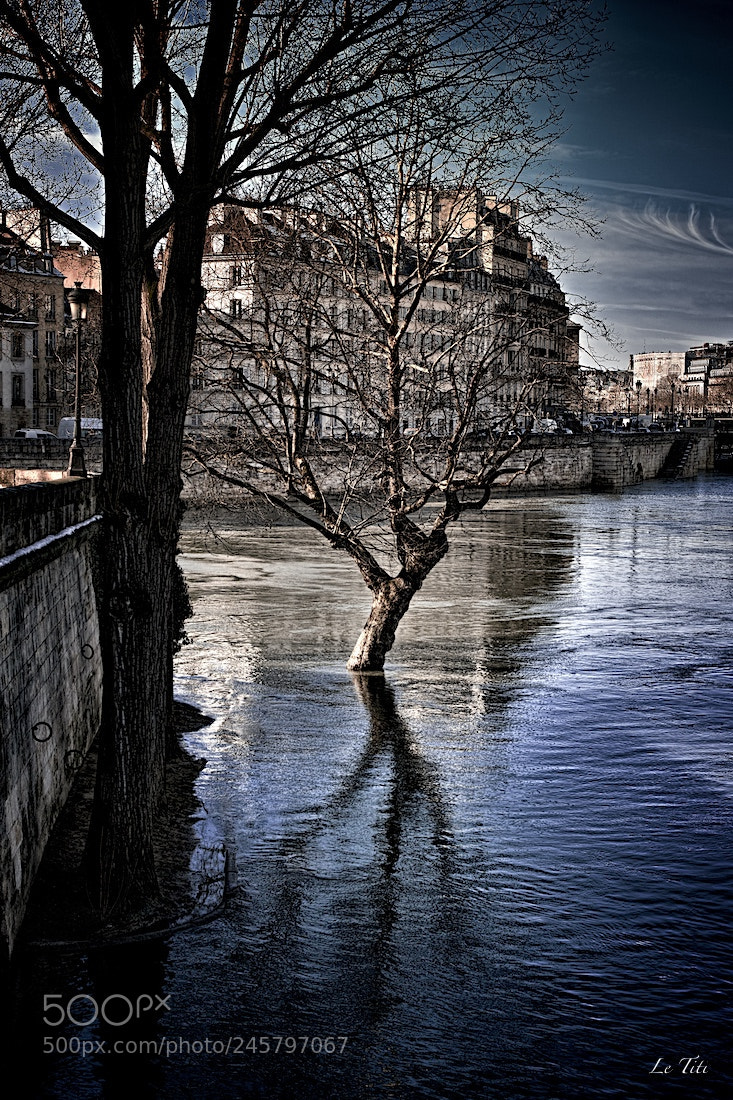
pixel 50 673
pixel 554 463
pixel 602 461
pixel 621 460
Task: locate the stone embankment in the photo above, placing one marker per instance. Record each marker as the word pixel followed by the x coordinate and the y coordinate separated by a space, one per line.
pixel 603 462
pixel 611 461
pixel 50 675
pixel 621 460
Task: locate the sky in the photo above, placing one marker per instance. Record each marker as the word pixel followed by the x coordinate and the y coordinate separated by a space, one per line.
pixel 648 141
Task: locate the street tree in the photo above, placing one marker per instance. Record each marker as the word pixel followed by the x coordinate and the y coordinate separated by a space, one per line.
pixel 125 124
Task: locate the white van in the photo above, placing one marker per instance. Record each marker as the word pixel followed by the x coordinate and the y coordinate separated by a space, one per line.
pixel 91 426
pixel 33 433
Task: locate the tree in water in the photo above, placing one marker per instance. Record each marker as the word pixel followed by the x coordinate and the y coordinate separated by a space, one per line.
pixel 125 124
pixel 386 352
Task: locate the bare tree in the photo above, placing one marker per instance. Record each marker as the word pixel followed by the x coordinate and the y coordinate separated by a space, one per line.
pixel 428 394
pixel 720 395
pixel 125 124
pixel 421 334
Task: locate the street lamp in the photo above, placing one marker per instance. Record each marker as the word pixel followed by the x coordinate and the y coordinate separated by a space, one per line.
pixel 638 399
pixel 672 403
pixel 78 299
pixel 648 401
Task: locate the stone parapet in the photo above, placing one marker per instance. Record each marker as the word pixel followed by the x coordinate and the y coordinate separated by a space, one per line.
pixel 50 672
pixel 35 511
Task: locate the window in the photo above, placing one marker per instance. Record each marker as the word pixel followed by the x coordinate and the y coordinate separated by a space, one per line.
pixel 51 417
pixel 50 385
pixel 34 337
pixel 1 390
pixel 33 307
pixel 36 387
pixel 18 391
pixel 235 307
pixel 235 275
pixel 50 307
pixel 50 344
pixel 17 345
pixel 197 380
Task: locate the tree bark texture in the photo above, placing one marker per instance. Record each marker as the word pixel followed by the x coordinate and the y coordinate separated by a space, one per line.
pixel 389 604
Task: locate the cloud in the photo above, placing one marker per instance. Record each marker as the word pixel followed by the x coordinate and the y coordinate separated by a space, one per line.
pixel 693 229
pixel 675 195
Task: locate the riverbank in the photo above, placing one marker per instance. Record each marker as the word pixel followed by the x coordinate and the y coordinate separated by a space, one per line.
pixel 546 464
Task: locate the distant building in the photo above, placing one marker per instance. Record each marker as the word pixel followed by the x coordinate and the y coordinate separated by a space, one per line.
pixel 77 264
pixel 653 368
pixel 605 391
pixel 710 370
pixel 694 381
pixel 32 327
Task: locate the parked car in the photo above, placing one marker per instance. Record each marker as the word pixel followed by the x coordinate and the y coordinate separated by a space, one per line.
pixel 34 433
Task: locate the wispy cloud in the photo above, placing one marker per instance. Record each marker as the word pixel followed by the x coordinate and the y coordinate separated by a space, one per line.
pixel 693 229
pixel 673 194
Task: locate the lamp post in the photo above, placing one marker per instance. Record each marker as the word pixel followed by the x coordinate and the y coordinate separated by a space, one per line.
pixel 655 403
pixel 672 403
pixel 648 401
pixel 78 299
pixel 638 400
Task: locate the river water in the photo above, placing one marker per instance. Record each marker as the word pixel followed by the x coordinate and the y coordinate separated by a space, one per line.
pixel 504 871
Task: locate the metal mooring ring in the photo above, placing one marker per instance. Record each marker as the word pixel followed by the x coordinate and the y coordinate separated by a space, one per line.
pixel 87 652
pixel 37 730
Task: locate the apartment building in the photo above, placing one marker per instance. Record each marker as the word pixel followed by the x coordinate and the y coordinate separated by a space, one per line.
pixel 297 289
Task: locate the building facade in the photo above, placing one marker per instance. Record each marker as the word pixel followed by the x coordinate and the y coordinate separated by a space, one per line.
pixel 287 288
pixel 32 319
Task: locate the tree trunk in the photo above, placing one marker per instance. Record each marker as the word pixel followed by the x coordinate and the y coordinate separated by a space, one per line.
pixel 389 604
pixel 130 771
pixel 136 558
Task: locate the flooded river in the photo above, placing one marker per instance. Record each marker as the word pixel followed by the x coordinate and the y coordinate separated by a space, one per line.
pixel 503 871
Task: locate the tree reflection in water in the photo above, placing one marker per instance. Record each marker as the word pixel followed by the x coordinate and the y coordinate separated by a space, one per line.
pixel 344 890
